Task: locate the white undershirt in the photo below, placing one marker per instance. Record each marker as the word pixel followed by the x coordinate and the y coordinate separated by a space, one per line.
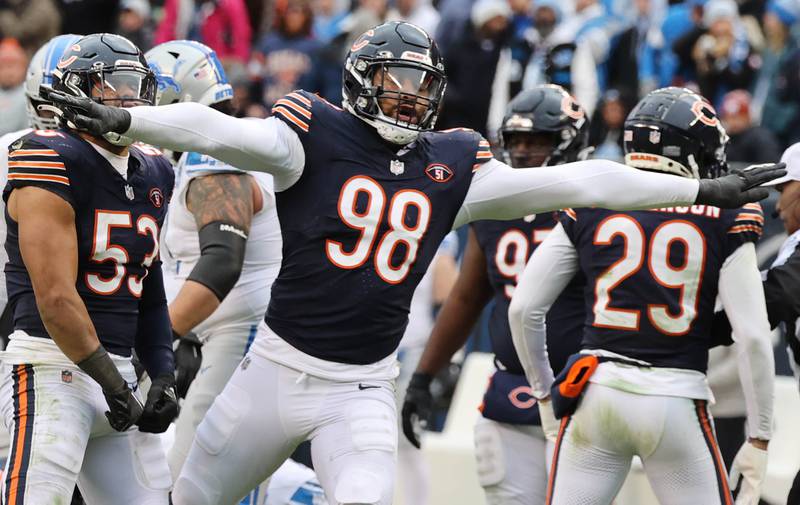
pixel 555 262
pixel 120 163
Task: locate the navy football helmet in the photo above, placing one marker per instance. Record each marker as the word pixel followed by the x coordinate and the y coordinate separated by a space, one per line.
pixel 676 131
pixel 554 124
pixel 110 70
pixel 397 65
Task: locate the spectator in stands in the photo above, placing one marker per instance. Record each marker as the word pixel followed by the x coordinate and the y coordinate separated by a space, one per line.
pixel 328 14
pixel 454 20
pixel 223 25
pixel 772 101
pixel 87 16
pixel 134 23
pixel 606 127
pixel 675 64
pixel 13 63
pixel 287 55
pixel 418 12
pixel 368 14
pixel 30 22
pixel 591 28
pixel 472 60
pixel 519 43
pixel 748 143
pixel 723 56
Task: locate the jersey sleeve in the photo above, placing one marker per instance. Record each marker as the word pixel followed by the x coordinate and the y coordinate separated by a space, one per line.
pixel 482 154
pixel 295 109
pixel 569 221
pixel 747 226
pixel 33 164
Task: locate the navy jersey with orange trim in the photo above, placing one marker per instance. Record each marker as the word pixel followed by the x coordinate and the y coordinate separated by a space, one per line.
pixel 360 228
pixel 652 277
pixel 507 245
pixel 117 224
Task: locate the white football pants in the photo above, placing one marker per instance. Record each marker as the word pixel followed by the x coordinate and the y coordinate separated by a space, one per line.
pixel 673 436
pixel 223 350
pixel 266 410
pixel 55 415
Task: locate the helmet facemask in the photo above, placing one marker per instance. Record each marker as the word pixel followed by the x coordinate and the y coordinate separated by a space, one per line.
pixel 400 98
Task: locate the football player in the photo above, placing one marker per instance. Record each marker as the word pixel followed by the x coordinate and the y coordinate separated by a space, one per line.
pixel 365 194
pixel 638 387
pixel 542 127
pixel 221 246
pixel 84 280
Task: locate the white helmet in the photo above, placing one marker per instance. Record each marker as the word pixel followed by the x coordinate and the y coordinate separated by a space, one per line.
pixel 188 71
pixel 40 73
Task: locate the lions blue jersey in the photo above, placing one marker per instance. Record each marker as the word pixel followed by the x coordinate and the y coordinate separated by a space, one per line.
pixel 360 228
pixel 117 224
pixel 652 277
pixel 507 245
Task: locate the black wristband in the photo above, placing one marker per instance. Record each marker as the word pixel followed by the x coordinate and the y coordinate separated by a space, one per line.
pixel 99 367
pixel 420 380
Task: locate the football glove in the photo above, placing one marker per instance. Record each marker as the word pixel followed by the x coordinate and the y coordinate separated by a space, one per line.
pixel 550 425
pixel 739 187
pixel 188 358
pixel 750 464
pixel 85 114
pixel 417 407
pixel 124 408
pixel 161 407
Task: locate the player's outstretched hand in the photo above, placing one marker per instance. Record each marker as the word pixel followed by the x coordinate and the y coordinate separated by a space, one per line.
pixel 124 408
pixel 417 407
pixel 85 114
pixel 188 358
pixel 739 187
pixel 161 407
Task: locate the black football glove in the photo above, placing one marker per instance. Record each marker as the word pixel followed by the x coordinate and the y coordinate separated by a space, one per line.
pixel 739 187
pixel 124 408
pixel 188 358
pixel 85 114
pixel 417 407
pixel 161 407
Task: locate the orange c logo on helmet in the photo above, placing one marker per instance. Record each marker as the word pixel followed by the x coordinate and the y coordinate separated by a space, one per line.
pixel 571 108
pixel 362 41
pixel 705 113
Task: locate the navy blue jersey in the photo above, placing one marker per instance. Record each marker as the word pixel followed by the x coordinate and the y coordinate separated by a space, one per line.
pixel 652 277
pixel 117 224
pixel 360 228
pixel 507 246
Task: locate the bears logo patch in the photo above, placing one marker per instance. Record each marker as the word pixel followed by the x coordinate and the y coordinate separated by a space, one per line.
pixel 438 172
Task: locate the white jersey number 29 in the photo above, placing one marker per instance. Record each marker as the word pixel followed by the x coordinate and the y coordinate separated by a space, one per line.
pixel 368 223
pixel 686 277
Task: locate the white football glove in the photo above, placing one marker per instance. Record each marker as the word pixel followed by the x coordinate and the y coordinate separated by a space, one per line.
pixel 751 465
pixel 550 425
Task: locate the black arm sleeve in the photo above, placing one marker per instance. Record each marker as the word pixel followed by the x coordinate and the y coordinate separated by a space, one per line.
pixel 154 332
pixel 782 291
pixel 222 248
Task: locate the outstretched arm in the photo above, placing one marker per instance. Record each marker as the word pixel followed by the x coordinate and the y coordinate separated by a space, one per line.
pixel 501 192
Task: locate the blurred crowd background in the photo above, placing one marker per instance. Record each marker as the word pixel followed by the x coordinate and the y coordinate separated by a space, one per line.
pixel 743 55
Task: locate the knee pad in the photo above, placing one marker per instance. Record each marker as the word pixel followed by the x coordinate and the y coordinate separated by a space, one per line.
pixel 358 486
pixel 489 454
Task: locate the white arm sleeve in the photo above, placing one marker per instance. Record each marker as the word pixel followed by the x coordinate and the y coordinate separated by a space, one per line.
pixel 549 270
pixel 262 145
pixel 501 192
pixel 742 295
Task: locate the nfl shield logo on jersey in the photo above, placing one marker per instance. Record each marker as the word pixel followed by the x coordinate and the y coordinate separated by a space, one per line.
pixel 129 192
pixel 397 167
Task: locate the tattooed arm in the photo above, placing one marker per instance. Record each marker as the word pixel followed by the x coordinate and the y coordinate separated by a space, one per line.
pixel 230 199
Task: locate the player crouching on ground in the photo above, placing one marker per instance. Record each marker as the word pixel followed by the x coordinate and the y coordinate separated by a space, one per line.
pixel 638 387
pixel 83 216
